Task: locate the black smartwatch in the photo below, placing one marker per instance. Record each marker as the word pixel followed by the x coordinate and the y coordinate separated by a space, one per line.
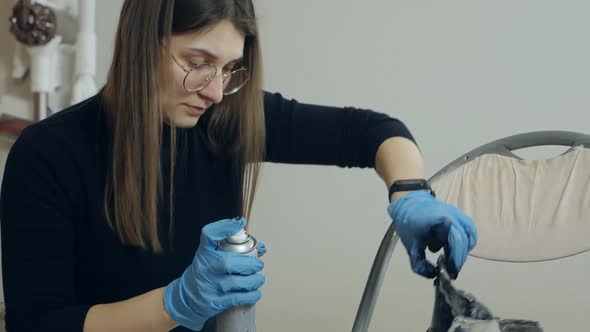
pixel 410 185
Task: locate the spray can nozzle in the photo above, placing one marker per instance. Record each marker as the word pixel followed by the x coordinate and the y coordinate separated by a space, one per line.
pixel 239 237
pixel 239 242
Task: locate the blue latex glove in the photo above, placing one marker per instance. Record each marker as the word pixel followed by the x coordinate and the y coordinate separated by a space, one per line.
pixel 422 221
pixel 215 281
pixel 261 249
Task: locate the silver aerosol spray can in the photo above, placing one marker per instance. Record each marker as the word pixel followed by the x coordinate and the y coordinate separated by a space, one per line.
pixel 241 318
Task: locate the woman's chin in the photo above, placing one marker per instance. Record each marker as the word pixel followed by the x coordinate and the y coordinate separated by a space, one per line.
pixel 182 120
pixel 186 122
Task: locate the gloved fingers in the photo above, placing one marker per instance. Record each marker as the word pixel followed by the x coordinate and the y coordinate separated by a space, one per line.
pixel 468 226
pixel 456 250
pixel 233 283
pixel 234 263
pixel 219 230
pixel 419 263
pixel 458 219
pixel 439 234
pixel 470 230
pixel 261 249
pixel 235 299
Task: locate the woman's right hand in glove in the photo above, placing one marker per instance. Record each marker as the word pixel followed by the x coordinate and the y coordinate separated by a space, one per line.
pixel 216 280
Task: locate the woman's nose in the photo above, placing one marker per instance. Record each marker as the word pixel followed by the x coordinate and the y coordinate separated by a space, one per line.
pixel 214 90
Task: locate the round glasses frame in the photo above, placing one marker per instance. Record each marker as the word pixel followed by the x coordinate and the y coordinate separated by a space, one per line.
pixel 208 80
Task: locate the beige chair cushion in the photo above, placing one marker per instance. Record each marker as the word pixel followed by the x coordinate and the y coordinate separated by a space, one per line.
pixel 525 210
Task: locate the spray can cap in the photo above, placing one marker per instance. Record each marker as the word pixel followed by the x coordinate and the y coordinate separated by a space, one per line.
pixel 239 237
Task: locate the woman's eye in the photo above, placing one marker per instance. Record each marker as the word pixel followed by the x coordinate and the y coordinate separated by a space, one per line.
pixel 194 63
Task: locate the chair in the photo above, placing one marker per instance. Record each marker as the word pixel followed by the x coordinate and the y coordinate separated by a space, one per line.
pixel 519 205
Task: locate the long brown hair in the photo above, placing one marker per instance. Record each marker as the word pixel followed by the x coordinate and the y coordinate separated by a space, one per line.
pixel 135 95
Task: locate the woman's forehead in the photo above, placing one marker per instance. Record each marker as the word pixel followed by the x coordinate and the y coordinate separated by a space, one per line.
pixel 221 42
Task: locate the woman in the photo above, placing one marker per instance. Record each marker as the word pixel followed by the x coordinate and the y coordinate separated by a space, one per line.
pixel 102 203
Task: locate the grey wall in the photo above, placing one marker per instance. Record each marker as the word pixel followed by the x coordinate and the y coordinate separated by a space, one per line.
pixel 459 74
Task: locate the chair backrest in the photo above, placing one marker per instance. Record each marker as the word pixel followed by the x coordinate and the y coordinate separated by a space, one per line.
pixel 525 210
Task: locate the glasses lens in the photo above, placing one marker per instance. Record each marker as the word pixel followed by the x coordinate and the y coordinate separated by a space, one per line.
pixel 199 77
pixel 235 81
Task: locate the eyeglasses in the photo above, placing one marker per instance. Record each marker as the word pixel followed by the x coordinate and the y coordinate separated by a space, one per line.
pixel 200 76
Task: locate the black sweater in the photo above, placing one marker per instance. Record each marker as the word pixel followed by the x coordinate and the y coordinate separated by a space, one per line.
pixel 59 255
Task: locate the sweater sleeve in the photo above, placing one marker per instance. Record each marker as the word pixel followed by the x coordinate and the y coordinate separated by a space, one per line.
pixel 37 227
pixel 301 133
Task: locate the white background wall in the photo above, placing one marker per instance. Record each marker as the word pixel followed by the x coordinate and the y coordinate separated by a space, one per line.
pixel 459 74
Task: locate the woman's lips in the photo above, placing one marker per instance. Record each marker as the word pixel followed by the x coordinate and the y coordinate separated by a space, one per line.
pixel 194 110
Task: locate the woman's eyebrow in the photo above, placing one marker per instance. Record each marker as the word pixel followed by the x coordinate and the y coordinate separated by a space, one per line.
pixel 210 54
